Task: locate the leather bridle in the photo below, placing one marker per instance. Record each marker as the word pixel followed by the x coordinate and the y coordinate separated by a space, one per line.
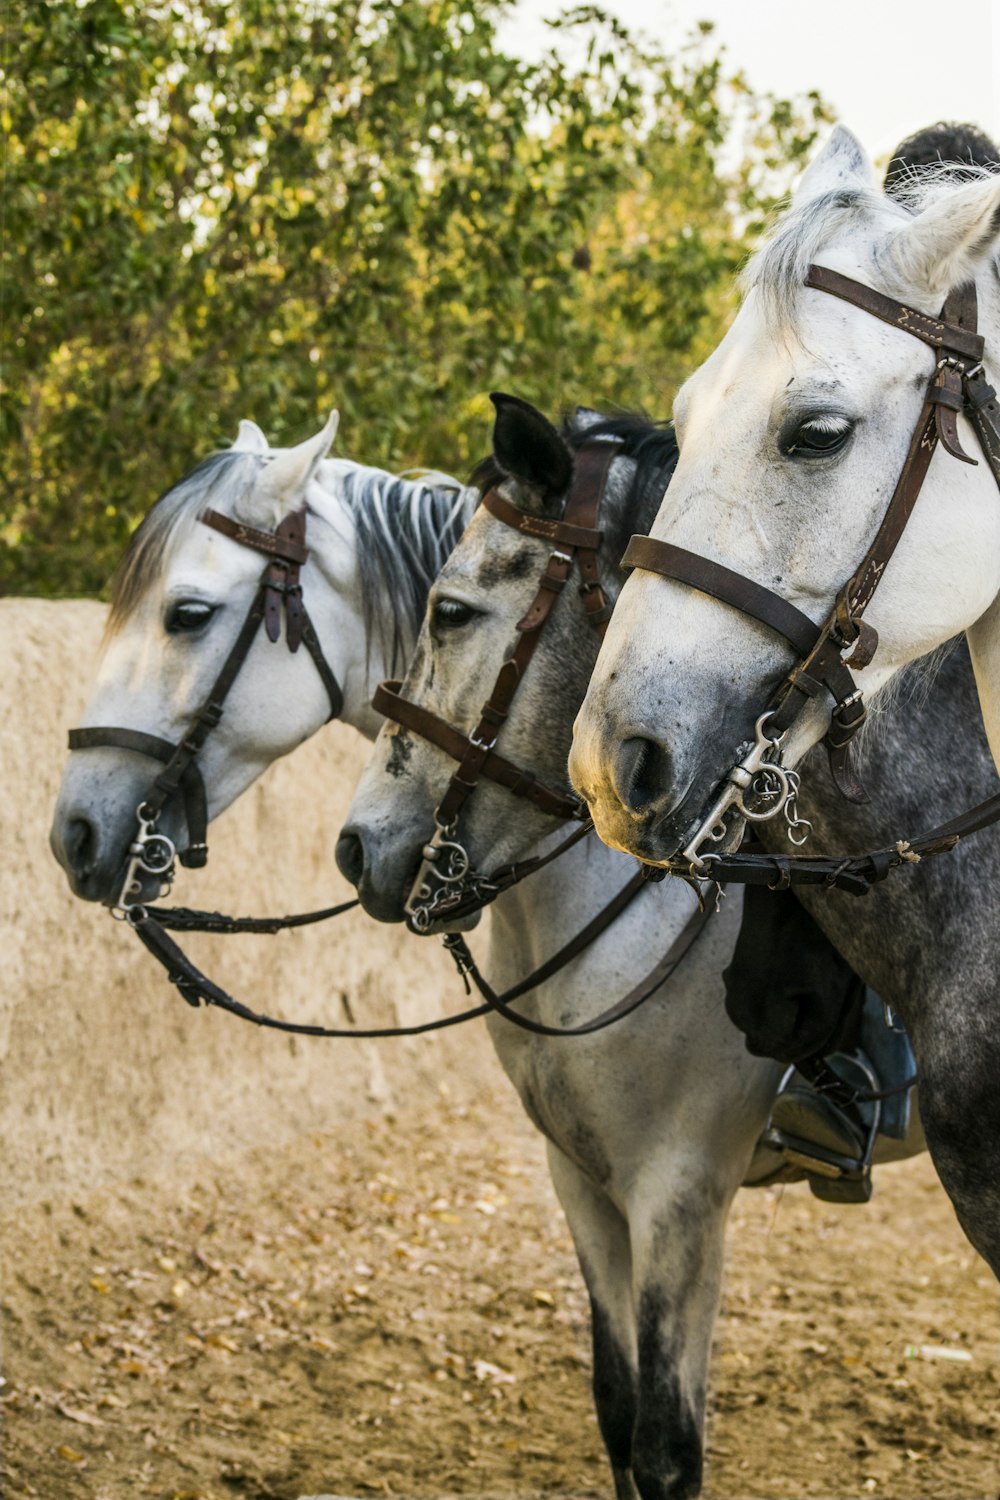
pixel 445 886
pixel 152 852
pixel 575 538
pixel 759 786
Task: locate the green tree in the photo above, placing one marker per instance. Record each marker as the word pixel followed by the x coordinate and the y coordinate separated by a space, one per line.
pixel 265 209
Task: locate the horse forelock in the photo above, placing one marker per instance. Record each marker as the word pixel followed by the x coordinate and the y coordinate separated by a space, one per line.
pixel 218 482
pixel 777 270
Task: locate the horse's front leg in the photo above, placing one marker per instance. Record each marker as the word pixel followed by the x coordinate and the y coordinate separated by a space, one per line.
pixel 601 1237
pixel 678 1223
pixel 960 1109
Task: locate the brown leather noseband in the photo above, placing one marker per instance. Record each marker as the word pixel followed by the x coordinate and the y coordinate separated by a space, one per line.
pixel 279 588
pixel 759 787
pixel 445 886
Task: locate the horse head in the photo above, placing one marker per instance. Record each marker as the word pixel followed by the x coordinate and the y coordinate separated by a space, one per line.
pixel 792 438
pixel 482 621
pixel 182 603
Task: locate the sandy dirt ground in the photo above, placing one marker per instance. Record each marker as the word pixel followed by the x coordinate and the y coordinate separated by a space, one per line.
pixel 396 1310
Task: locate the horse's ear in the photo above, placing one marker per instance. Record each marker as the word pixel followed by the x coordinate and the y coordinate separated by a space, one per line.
pixel 953 239
pixel 842 163
pixel 249 439
pixel 281 485
pixel 530 450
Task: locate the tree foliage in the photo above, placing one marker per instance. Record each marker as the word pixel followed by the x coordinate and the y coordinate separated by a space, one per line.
pixel 266 209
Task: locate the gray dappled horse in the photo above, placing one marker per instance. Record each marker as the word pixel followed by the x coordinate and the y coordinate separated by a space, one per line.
pixel 651 1126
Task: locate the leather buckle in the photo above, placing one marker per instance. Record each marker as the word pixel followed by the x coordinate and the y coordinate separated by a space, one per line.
pixel 850 630
pixel 844 725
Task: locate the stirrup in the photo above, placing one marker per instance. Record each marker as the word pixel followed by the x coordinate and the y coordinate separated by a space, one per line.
pixel 811 1131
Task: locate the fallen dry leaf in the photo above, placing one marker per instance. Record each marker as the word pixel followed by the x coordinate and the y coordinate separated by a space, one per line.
pixel 86 1418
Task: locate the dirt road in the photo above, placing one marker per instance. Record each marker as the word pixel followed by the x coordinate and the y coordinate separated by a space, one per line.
pixel 397 1310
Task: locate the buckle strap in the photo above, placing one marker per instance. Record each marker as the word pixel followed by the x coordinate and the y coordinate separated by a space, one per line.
pixel 282 586
pixel 984 414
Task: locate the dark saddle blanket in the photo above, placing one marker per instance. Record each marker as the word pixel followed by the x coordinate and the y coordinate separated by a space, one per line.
pixel 794 997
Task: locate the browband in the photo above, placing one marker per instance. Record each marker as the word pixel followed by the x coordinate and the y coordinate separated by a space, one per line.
pixel 562 533
pixel 271 543
pixel 937 332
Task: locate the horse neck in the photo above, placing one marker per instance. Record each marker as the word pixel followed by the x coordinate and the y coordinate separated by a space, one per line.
pixel 533 920
pixel 984 635
pixel 334 543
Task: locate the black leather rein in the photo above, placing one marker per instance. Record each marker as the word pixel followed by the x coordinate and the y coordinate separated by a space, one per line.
pixel 196 988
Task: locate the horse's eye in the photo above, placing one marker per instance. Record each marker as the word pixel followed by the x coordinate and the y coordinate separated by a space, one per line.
pixel 188 615
pixel 819 436
pixel 451 613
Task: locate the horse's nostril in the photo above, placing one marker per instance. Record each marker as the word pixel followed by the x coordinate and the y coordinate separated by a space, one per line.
pixel 642 771
pixel 350 857
pixel 80 846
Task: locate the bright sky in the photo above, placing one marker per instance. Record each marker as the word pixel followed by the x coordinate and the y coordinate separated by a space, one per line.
pixel 886 66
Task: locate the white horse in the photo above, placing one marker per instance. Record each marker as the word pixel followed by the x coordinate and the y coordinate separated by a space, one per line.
pixel 375 543
pixel 792 437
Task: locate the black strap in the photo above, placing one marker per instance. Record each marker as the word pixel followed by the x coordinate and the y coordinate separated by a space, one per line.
pixel 189 919
pixel 196 988
pixel 855 873
pixel 636 996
